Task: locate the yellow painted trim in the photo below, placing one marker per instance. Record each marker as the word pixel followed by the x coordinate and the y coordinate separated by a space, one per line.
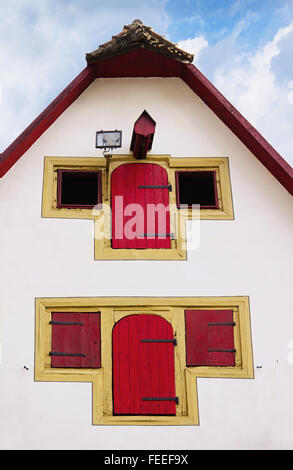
pixel 103 249
pixel 49 199
pixel 112 309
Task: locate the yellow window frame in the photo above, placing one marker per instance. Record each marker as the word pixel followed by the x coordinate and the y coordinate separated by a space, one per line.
pixel 112 309
pixel 101 216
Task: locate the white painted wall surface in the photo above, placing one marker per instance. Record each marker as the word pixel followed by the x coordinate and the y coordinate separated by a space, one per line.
pixel 251 256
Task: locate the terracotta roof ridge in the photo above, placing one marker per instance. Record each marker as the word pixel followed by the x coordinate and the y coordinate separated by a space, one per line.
pixel 137 35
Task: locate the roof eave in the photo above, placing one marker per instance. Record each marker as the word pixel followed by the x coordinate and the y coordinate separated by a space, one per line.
pixel 146 63
pixel 239 125
pixel 93 58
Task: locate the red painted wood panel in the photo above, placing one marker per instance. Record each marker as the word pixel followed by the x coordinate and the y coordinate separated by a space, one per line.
pixel 202 335
pixel 143 370
pixel 76 339
pixel 139 211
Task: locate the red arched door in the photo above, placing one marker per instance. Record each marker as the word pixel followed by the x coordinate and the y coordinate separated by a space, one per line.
pixel 140 206
pixel 143 366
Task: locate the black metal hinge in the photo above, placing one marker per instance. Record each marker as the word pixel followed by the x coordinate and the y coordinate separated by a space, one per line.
pixel 66 323
pixel 222 350
pixel 174 341
pixel 176 399
pixel 169 186
pixel 171 235
pixel 66 354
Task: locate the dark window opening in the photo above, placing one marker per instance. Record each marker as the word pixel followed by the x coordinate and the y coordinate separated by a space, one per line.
pixel 197 187
pixel 79 189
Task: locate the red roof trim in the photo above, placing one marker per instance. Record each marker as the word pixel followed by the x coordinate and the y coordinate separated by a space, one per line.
pixel 138 63
pixel 27 138
pixel 249 136
pixel 145 63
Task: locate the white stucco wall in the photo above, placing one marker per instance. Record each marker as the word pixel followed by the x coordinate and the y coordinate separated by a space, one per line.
pixel 251 256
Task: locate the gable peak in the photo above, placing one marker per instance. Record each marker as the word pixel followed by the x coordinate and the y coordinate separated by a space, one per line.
pixel 134 36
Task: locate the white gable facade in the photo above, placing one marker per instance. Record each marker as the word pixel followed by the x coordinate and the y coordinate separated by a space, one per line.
pixel 249 256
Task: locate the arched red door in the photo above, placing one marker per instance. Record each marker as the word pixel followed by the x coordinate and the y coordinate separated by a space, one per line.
pixel 140 207
pixel 143 366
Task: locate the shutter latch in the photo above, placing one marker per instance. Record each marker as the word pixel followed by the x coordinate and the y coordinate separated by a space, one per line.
pixel 176 399
pixel 222 350
pixel 169 186
pixel 174 341
pixel 66 354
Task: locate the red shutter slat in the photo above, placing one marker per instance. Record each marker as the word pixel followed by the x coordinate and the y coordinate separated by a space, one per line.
pixel 135 364
pixel 207 342
pixel 138 179
pixel 143 370
pixel 76 339
pixel 161 200
pixel 122 370
pixel 125 182
pixel 93 342
pixel 164 376
pixel 146 359
pixel 149 201
pixel 130 196
pixel 154 353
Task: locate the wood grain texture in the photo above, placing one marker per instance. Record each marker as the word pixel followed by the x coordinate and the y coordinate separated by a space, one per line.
pixel 81 338
pixel 140 216
pixel 209 337
pixel 143 369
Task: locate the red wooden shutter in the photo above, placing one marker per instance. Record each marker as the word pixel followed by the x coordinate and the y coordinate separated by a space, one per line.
pixel 142 369
pixel 135 222
pixel 209 338
pixel 75 340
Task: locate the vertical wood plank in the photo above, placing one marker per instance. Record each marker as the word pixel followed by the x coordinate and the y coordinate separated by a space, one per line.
pixel 130 197
pixel 134 364
pixel 121 382
pixel 161 197
pixel 149 218
pixel 154 354
pixel 140 171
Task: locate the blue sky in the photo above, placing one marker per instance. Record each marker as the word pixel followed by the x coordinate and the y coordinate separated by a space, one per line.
pixel 215 18
pixel 244 47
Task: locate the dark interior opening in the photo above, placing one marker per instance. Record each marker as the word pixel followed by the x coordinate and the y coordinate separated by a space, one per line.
pixel 78 188
pixel 197 187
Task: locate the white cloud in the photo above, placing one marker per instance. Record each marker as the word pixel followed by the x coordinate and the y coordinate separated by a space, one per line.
pixel 43 46
pixel 194 45
pixel 249 80
pixel 253 86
